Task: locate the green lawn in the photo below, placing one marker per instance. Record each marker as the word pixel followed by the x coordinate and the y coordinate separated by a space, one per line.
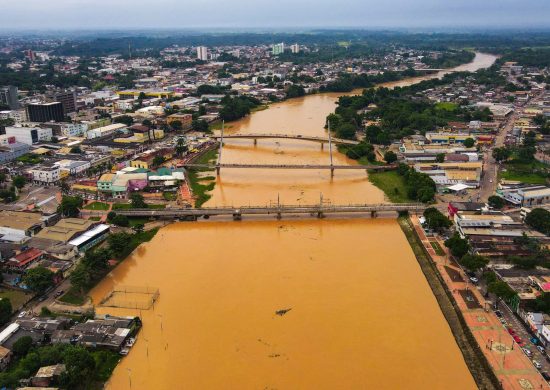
pixel 201 186
pixel 392 184
pixel 95 219
pixel 73 297
pixel 16 297
pixel 447 106
pixel 97 206
pixel 137 220
pixel 438 250
pixel 530 173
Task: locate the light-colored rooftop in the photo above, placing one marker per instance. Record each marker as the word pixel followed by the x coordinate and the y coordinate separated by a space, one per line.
pixel 19 220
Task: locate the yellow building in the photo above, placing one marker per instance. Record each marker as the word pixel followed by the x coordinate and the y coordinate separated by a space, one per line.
pixel 134 93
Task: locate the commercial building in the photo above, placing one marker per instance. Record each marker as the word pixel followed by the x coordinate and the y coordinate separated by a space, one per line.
pixel 17 115
pixel 11 151
pixel 68 129
pixel 45 175
pixel 67 100
pixel 150 93
pixel 91 237
pixel 185 119
pixel 8 97
pixel 66 229
pixel 202 53
pixel 525 196
pixel 30 135
pixel 17 224
pixel 45 112
pixel 105 130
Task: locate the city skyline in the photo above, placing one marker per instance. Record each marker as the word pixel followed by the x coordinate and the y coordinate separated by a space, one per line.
pixel 102 14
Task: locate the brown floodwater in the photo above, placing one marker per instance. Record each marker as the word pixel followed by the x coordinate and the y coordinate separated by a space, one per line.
pixel 361 312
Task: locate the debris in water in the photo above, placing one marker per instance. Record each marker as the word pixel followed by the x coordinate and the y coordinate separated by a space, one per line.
pixel 275 355
pixel 282 312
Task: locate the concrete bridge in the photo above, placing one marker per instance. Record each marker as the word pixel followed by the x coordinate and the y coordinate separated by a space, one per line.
pixel 332 168
pixel 256 137
pixel 192 214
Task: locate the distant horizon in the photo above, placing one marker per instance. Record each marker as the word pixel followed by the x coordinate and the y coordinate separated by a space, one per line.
pixel 72 15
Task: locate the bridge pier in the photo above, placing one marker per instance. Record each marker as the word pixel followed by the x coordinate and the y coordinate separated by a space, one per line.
pixel 218 169
pixel 279 215
pixel 331 172
pixel 237 217
pixel 255 141
pixel 320 215
pixel 373 214
pixel 322 146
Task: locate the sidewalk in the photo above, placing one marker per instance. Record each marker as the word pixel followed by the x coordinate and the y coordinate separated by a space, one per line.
pixel 512 367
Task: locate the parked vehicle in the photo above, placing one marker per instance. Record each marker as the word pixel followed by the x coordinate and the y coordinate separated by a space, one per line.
pixel 534 340
pixel 22 314
pixel 527 352
pixel 537 364
pixel 545 375
pixel 541 349
pixel 498 313
pixel 511 331
pixel 474 280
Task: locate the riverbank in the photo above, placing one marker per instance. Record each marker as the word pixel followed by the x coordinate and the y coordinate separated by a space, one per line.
pixel 473 356
pixel 201 185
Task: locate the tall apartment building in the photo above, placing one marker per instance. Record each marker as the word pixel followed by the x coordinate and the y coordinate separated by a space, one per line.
pixel 202 53
pixel 8 97
pixel 45 112
pixel 278 48
pixel 67 100
pixel 295 48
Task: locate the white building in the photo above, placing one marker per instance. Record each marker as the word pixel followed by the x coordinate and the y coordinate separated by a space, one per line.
pixel 30 135
pixel 71 167
pixel 295 48
pixel 17 115
pixel 202 53
pixel 44 175
pixel 74 129
pixel 278 48
pixel 105 130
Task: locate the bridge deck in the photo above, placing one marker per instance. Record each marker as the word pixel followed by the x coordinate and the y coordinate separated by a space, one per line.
pixel 287 136
pixel 275 210
pixel 290 166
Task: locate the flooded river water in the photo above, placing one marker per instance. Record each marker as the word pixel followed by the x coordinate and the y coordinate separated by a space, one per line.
pixel 361 315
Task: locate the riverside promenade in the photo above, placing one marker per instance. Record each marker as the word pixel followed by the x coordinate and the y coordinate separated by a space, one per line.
pixel 511 366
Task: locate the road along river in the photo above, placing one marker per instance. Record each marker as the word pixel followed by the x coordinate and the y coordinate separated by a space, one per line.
pixel 311 304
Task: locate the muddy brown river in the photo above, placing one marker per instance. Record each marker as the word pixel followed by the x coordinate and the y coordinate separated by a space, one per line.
pixel 301 304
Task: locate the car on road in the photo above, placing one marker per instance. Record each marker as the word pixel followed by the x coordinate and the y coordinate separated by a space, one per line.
pixel 498 313
pixel 22 314
pixel 59 293
pixel 545 375
pixel 534 340
pixel 474 280
pixel 527 352
pixel 42 298
pixel 537 364
pixel 541 349
pixel 511 331
pixel 517 339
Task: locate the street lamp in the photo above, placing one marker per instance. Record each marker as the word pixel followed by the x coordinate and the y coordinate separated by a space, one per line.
pixel 129 376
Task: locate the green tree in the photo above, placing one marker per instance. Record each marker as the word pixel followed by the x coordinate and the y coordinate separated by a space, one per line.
pixel 346 131
pixel 435 219
pixel 176 125
pixel 501 154
pixel 473 262
pixel 125 119
pixel 119 243
pixel 200 125
pixel 181 147
pixel 22 346
pixel 70 206
pixel 80 278
pixel 496 202
pixel 121 220
pixel 457 245
pixel 137 201
pixel 539 219
pixel 469 142
pixel 501 289
pixel 440 157
pixel 5 311
pixel 39 279
pixel 80 368
pixel 19 182
pixel 390 157
pixel 158 160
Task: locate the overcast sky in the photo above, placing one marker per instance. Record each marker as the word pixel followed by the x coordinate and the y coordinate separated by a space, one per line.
pixel 114 14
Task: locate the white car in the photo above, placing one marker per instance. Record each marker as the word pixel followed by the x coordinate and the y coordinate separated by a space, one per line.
pixel 537 364
pixel 22 314
pixel 541 349
pixel 527 352
pixel 474 279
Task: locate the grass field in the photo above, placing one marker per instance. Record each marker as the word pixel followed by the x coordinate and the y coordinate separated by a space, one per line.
pixel 97 206
pixel 95 219
pixel 392 184
pixel 73 297
pixel 17 298
pixel 447 106
pixel 530 173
